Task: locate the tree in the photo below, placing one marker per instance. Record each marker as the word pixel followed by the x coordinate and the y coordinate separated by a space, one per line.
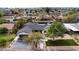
pixel 71 17
pixel 47 10
pixel 34 38
pixel 29 19
pixel 56 29
pixel 15 11
pixel 3 30
pixel 15 29
pixel 1 13
pixel 19 24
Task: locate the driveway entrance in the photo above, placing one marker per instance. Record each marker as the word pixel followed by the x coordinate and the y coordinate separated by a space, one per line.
pixel 18 44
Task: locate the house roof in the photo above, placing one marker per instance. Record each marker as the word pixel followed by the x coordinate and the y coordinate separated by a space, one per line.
pixel 24 30
pixel 29 27
pixel 36 26
pixel 72 26
pixel 9 26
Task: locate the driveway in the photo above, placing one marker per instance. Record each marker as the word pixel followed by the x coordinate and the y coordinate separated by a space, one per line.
pixel 18 44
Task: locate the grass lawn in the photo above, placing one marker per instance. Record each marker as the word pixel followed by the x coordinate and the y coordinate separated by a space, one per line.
pixel 6 39
pixel 7 36
pixel 61 43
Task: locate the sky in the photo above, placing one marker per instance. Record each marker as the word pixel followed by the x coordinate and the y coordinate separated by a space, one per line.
pixel 38 3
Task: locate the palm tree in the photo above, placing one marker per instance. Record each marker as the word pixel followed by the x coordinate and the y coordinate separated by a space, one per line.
pixel 56 29
pixel 34 38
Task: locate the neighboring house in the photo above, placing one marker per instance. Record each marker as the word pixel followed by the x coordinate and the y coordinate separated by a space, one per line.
pixel 44 22
pixel 32 27
pixel 77 16
pixel 9 26
pixel 10 18
pixel 74 27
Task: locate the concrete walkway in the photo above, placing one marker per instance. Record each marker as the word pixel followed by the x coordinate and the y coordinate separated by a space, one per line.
pixel 51 48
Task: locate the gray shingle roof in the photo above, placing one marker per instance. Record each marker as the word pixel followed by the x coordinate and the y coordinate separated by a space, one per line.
pixel 32 26
pixel 35 26
pixel 25 30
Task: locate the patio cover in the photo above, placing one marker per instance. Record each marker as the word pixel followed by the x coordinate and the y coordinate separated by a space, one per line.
pixel 71 26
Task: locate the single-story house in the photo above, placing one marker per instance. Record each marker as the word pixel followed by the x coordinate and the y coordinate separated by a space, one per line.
pixel 10 18
pixel 32 27
pixel 36 27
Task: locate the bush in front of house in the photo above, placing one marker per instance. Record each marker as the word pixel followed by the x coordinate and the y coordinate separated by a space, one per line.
pixel 3 30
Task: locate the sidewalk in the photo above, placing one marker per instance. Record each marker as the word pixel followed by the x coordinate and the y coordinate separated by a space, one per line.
pixel 63 48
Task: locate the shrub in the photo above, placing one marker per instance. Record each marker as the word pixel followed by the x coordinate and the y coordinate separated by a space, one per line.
pixel 3 42
pixel 3 20
pixel 3 30
pixel 60 42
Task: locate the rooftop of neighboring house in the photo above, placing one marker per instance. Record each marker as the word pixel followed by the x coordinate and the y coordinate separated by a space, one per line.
pixel 9 26
pixel 72 26
pixel 10 18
